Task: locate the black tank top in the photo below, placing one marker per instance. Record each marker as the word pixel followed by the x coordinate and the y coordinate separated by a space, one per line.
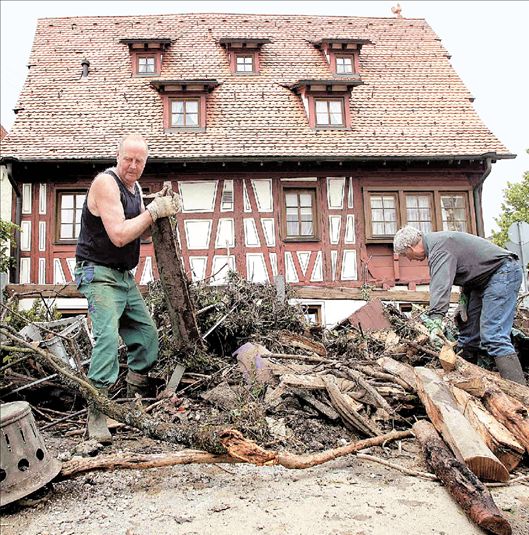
pixel 94 244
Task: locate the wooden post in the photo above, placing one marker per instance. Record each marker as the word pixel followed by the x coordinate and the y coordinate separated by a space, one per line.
pixel 174 283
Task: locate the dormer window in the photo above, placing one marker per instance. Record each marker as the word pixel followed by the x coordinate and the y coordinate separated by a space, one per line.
pixel 184 103
pixel 146 64
pixel 243 54
pixel 185 113
pixel 344 64
pixel 244 63
pixel 146 55
pixel 329 112
pixel 326 102
pixel 342 55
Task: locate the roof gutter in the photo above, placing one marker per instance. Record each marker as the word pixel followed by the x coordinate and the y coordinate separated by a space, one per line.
pixel 477 192
pixel 326 158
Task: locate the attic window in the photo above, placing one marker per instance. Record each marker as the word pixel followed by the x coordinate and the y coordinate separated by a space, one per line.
pixel 184 103
pixel 344 64
pixel 244 63
pixel 342 55
pixel 146 64
pixel 146 55
pixel 243 54
pixel 326 102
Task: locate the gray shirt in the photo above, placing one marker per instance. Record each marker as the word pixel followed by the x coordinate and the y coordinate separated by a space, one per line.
pixel 458 258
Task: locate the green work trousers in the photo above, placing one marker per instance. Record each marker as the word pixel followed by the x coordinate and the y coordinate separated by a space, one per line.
pixel 116 309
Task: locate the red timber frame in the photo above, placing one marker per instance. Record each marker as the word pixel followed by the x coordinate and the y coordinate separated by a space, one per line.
pixel 375 261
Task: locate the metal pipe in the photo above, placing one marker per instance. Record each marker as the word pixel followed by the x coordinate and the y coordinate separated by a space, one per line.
pixel 477 192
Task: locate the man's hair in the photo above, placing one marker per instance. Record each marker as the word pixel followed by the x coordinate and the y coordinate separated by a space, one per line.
pixel 132 137
pixel 406 237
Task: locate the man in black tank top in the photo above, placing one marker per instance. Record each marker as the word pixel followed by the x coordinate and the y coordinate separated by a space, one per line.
pixel 113 221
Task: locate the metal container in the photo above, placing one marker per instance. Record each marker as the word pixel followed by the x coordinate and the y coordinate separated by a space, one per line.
pixel 25 464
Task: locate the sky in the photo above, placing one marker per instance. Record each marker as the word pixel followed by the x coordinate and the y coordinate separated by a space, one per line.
pixel 487 41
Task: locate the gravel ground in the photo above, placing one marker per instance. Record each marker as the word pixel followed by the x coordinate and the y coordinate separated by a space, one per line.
pixel 348 496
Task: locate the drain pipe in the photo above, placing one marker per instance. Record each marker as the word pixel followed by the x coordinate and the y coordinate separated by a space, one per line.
pixel 14 272
pixel 478 205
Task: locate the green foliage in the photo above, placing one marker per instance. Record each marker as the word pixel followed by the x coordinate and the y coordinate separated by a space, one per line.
pixel 39 311
pixel 7 231
pixel 514 208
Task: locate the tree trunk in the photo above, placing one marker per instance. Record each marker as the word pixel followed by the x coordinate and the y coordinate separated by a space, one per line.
pixel 467 490
pixel 468 446
pixel 175 285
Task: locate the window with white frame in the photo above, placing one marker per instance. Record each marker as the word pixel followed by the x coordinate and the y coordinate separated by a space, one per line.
pixel 329 112
pixel 146 65
pixel 344 65
pixel 69 209
pixel 185 113
pixel 244 63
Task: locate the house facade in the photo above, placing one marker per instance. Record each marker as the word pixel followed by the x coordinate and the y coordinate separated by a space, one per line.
pixel 299 144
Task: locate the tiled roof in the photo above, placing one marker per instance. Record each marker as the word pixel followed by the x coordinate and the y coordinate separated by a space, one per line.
pixel 411 104
pixel 3 132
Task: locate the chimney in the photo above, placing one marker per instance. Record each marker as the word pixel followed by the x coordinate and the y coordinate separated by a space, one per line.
pixel 85 64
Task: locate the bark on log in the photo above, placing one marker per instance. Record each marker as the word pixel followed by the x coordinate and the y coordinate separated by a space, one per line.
pixel 512 414
pixel 468 446
pixel 467 490
pixel 398 369
pixel 241 451
pixel 175 285
pixel 497 437
pixel 347 409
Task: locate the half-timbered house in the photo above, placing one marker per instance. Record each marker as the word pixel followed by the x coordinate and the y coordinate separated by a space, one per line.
pixel 299 144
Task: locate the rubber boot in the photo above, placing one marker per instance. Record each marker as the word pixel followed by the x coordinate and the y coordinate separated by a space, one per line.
pixel 97 422
pixel 137 383
pixel 510 368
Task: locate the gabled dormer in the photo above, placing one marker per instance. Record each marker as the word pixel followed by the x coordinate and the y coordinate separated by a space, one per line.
pixel 243 54
pixel 184 103
pixel 342 55
pixel 146 55
pixel 326 102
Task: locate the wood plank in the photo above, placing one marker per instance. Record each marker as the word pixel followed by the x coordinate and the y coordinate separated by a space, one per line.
pixel 466 489
pixel 337 292
pixel 466 443
pixel 50 290
pixel 497 437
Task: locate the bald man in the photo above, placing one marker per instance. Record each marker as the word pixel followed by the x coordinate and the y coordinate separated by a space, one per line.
pixel 113 221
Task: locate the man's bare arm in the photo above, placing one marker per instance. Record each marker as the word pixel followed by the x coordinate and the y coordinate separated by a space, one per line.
pixel 104 201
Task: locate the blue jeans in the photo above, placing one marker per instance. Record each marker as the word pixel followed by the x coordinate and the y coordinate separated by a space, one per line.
pixel 491 312
pixel 116 309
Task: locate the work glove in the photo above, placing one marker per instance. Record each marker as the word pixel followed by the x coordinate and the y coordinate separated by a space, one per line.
pixel 435 328
pixel 164 206
pixel 164 191
pixel 461 312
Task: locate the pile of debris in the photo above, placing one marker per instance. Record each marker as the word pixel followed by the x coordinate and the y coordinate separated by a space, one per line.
pixel 263 381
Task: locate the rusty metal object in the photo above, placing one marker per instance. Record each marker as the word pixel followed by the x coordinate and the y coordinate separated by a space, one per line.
pixel 25 464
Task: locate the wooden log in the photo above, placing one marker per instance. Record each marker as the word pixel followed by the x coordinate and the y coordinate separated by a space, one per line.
pixel 297 340
pixel 240 450
pixel 514 390
pixel 467 490
pixel 348 409
pixel 398 369
pixel 511 413
pixel 314 382
pixel 468 446
pixel 447 357
pixel 175 284
pixel 497 437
